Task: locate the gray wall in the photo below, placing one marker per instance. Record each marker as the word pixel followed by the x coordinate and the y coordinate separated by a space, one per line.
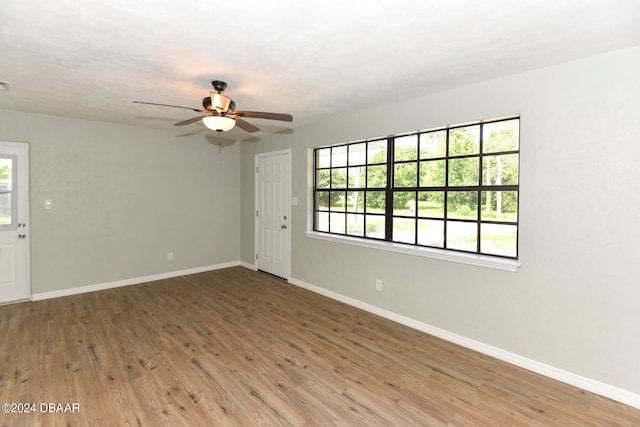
pixel 123 197
pixel 575 302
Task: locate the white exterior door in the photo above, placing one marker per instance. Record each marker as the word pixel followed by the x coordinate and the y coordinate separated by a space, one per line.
pixel 14 225
pixel 273 213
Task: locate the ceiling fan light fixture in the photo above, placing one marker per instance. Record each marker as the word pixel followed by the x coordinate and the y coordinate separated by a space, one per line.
pixel 220 113
pixel 219 123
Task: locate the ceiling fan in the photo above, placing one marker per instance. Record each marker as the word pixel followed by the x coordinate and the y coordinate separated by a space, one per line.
pixel 220 113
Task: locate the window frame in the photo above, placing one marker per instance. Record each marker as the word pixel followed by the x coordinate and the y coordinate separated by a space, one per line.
pixel 12 192
pixel 414 247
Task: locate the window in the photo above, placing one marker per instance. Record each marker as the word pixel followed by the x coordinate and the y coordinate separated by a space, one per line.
pixel 7 192
pixel 453 188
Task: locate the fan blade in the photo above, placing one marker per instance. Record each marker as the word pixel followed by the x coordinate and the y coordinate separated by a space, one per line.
pixel 188 121
pixel 263 115
pixel 168 105
pixel 245 125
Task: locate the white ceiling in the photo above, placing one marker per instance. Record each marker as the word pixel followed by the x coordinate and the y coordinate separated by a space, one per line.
pixel 89 59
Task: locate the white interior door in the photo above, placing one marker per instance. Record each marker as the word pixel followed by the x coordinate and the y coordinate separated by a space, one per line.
pixel 14 230
pixel 273 212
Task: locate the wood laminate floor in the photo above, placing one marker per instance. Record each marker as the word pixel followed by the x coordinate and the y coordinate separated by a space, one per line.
pixel 235 347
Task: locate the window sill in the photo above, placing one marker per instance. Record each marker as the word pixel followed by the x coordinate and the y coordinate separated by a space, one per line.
pixel 441 254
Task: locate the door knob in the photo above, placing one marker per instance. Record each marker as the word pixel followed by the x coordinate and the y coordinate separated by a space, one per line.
pixel 22 225
pixel 284 226
pixel 21 236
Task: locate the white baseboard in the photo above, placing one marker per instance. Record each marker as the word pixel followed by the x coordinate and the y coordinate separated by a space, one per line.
pixel 597 387
pixel 127 282
pixel 249 266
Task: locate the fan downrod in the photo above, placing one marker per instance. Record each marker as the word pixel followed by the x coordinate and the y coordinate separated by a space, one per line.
pixel 219 85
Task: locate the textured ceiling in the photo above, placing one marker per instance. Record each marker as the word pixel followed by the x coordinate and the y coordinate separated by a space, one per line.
pixel 89 59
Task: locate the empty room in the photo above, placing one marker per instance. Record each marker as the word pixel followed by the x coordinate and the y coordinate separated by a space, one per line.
pixel 410 213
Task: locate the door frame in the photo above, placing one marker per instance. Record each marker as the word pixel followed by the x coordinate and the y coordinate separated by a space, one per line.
pixel 21 149
pixel 257 158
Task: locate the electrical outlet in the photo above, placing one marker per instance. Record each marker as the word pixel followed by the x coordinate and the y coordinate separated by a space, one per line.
pixel 378 285
pixel 169 256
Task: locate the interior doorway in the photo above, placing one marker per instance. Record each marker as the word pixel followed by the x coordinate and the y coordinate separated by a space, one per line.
pixel 273 212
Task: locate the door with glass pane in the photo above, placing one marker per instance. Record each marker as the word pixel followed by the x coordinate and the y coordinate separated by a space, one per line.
pixel 14 236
